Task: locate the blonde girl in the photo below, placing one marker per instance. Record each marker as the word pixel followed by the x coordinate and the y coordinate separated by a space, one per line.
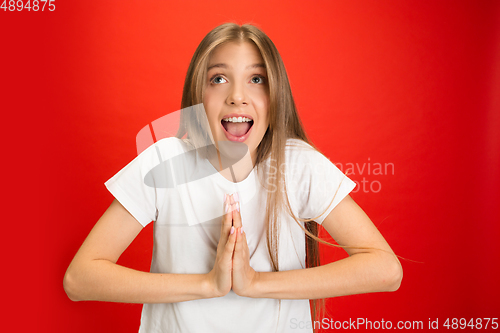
pixel 235 245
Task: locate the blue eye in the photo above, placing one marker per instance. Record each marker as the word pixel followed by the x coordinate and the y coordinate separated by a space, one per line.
pixel 217 79
pixel 257 79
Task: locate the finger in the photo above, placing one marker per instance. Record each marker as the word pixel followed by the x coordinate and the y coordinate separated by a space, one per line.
pixel 238 249
pixel 243 237
pixel 241 240
pixel 224 209
pixel 228 216
pixel 241 252
pixel 230 245
pixel 233 198
pixel 235 204
pixel 237 215
pixel 227 221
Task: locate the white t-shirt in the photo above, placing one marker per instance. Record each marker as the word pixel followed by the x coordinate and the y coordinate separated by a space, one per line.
pixel 187 209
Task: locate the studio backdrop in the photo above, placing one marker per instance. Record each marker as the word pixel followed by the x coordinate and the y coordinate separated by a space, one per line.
pixel 403 96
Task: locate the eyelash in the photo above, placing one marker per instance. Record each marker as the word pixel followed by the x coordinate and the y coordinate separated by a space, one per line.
pixel 221 75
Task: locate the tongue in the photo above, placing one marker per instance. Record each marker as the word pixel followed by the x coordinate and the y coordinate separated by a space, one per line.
pixel 237 129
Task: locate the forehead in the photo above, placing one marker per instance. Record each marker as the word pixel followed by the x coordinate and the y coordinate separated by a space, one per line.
pixel 233 54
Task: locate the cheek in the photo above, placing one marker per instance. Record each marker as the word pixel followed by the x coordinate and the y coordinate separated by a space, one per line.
pixel 207 97
pixel 209 105
pixel 262 103
pixel 260 99
pixel 213 99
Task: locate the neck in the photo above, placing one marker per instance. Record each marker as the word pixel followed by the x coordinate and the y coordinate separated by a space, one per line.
pixel 236 172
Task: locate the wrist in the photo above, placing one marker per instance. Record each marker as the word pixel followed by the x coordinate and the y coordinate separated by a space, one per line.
pixel 254 288
pixel 209 287
pixel 260 285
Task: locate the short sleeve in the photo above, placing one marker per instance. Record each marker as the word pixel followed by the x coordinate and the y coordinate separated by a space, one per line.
pixel 316 184
pixel 129 187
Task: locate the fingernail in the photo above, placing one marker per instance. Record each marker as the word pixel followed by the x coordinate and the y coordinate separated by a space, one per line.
pixel 232 230
pixel 238 206
pixel 241 230
pixel 225 197
pixel 236 197
pixel 227 207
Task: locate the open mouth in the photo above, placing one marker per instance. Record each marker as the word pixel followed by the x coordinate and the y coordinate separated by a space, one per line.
pixel 237 126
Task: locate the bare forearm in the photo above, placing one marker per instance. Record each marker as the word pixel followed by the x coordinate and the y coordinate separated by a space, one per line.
pixel 103 280
pixel 357 274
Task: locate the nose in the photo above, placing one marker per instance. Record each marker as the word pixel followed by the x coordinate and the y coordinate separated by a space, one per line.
pixel 237 95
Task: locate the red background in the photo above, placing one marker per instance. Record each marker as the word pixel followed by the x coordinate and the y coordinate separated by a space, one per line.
pixel 412 83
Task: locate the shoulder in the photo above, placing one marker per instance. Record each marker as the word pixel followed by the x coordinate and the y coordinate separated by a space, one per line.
pixel 173 143
pixel 158 152
pixel 169 147
pixel 299 152
pixel 297 144
pixel 296 148
pixel 304 163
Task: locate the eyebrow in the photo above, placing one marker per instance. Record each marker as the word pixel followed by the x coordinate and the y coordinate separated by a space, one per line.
pixel 222 65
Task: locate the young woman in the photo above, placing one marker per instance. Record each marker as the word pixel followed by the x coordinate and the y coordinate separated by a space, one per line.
pixel 230 245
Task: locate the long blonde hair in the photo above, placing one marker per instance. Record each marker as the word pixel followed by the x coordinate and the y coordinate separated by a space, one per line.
pixel 284 123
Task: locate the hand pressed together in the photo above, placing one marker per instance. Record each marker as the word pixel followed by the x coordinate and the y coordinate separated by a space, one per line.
pixel 232 268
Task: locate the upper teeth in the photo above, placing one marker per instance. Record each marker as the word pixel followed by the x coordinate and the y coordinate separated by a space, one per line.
pixel 238 119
